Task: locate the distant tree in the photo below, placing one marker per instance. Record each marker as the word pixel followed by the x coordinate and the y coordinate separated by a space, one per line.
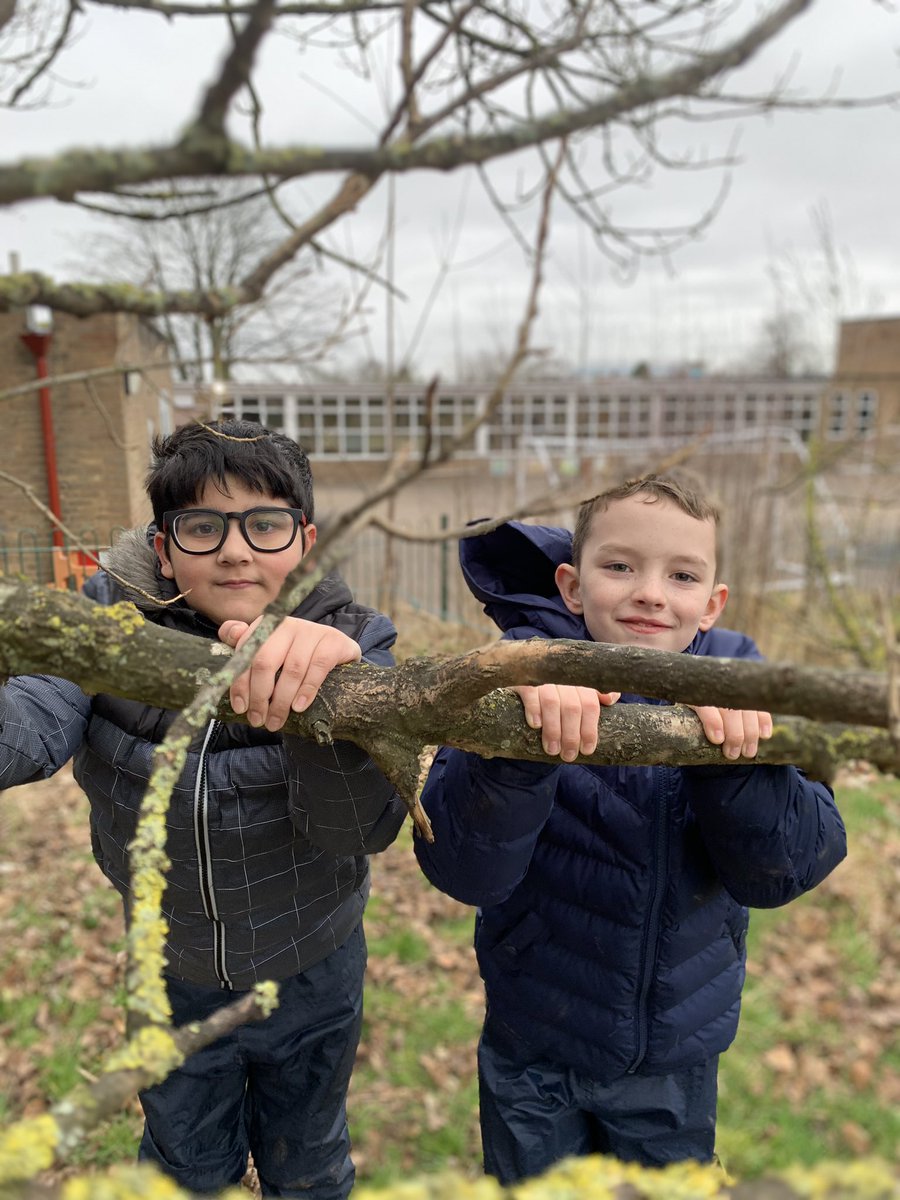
pixel 784 348
pixel 206 236
pixel 370 370
pixel 811 291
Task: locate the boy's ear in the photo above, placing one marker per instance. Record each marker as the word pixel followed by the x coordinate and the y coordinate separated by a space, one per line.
pixel 569 585
pixel 309 538
pixel 165 563
pixel 714 606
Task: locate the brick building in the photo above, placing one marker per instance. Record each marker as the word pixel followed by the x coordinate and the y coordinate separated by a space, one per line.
pixel 544 435
pixel 864 396
pixel 100 427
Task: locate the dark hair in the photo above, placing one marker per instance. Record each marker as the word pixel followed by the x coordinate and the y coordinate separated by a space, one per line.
pixel 264 461
pixel 680 489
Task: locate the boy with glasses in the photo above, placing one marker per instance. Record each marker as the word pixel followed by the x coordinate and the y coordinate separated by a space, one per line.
pixel 267 833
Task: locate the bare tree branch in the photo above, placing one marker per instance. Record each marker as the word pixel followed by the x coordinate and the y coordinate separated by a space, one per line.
pixel 235 72
pixel 149 1059
pixel 85 170
pixel 177 8
pixel 7 12
pixel 53 52
pixel 34 385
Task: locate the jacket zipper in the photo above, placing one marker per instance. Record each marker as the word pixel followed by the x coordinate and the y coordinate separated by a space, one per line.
pixel 204 859
pixel 651 929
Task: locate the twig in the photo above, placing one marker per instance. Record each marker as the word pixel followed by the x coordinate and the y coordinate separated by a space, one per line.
pixel 107 419
pixel 75 541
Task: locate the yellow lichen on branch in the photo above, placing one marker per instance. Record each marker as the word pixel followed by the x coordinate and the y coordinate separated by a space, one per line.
pixel 266 996
pixel 151 1049
pixel 591 1178
pixel 147 927
pixel 133 1183
pixel 28 1147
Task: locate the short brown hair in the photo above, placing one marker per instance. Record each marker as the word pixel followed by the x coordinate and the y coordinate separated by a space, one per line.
pixel 682 490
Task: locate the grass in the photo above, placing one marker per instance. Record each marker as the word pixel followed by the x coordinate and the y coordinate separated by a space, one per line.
pixel 814 1071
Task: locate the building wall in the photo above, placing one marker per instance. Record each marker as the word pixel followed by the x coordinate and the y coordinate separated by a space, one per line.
pixel 864 399
pixel 100 432
pixel 563 418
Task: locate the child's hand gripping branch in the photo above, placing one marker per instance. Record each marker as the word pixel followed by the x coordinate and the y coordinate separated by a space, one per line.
pixel 737 731
pixel 287 669
pixel 567 716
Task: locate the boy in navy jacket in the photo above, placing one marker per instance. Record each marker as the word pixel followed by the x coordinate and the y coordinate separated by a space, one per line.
pixel 612 900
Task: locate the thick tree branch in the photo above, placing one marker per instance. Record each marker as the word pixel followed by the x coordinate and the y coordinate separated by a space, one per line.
pixel 394 713
pixel 235 72
pixel 103 171
pixel 7 12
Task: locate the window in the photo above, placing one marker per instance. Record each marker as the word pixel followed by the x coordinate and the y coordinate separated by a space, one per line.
pixel 837 414
pixel 866 412
pixel 273 413
pixel 306 429
pixel 250 411
pixel 330 443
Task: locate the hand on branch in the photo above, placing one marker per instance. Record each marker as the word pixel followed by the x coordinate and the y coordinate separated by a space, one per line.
pixel 737 731
pixel 567 716
pixel 288 668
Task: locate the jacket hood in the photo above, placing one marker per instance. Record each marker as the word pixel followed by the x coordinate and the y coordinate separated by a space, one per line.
pixel 136 563
pixel 511 571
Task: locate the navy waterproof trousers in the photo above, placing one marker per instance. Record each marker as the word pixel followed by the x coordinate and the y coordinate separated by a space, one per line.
pixel 276 1088
pixel 533 1114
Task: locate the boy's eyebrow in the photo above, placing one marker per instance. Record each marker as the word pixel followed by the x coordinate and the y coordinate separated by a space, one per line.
pixel 623 549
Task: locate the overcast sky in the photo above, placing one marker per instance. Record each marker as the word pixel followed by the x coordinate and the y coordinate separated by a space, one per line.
pixel 135 75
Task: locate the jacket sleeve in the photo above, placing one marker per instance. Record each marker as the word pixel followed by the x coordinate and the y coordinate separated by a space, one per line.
pixel 772 833
pixel 42 723
pixel 339 799
pixel 487 815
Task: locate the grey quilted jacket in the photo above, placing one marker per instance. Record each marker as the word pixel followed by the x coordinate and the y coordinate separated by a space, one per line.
pixel 267 834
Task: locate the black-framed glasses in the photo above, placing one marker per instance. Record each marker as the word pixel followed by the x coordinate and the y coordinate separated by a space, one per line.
pixel 204 530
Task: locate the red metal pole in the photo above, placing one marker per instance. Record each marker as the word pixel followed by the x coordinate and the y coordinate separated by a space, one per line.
pixel 39 344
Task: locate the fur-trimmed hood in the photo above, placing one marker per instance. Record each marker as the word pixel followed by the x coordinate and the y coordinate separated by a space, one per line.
pixel 136 563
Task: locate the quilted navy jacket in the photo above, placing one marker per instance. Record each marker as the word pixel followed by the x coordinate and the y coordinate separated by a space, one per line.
pixel 267 834
pixel 612 921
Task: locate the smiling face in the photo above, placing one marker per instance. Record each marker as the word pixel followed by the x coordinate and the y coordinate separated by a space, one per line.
pixel 234 582
pixel 647 575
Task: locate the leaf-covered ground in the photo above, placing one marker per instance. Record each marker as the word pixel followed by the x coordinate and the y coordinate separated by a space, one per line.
pixel 816 1069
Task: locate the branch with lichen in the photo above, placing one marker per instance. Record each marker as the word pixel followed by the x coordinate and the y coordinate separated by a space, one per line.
pixel 147 929
pixel 593 1177
pixel 34 1144
pixel 825 716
